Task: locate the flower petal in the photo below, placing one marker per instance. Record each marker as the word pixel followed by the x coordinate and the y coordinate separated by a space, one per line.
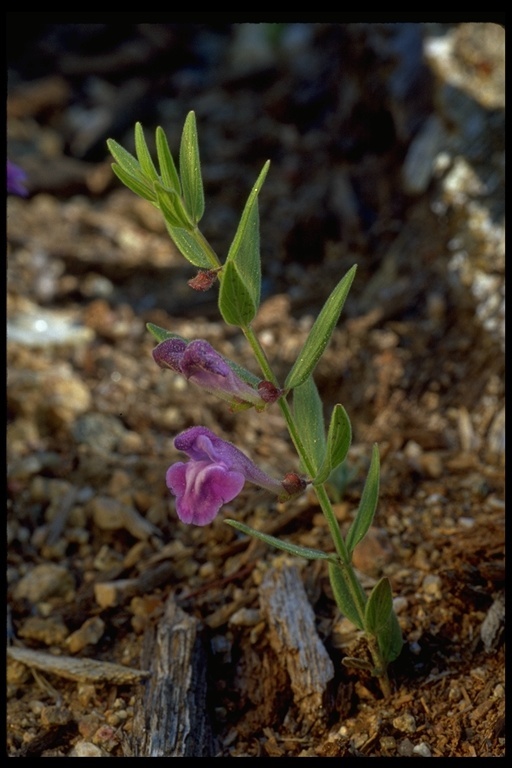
pixel 201 488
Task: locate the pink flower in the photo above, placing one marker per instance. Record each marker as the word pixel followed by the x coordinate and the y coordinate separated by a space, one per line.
pixel 201 364
pixel 215 475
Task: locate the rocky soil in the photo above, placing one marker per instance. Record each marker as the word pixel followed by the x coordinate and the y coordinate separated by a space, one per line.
pixel 130 633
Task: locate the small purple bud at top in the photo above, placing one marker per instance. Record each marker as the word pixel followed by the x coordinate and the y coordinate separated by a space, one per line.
pixel 16 178
pixel 215 475
pixel 204 280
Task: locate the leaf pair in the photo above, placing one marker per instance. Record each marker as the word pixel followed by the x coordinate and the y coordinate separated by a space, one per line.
pixel 324 453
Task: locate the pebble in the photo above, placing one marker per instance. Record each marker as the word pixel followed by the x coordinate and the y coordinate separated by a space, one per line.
pixel 245 617
pixel 46 630
pixel 432 586
pixel 87 749
pixel 405 723
pixel 54 715
pixel 88 634
pixel 44 581
pixel 422 749
pixel 111 515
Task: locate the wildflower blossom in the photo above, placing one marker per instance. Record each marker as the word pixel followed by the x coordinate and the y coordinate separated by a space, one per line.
pixel 215 475
pixel 201 364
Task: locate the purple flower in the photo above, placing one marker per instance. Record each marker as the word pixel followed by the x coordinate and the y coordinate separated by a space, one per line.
pixel 16 178
pixel 215 475
pixel 201 364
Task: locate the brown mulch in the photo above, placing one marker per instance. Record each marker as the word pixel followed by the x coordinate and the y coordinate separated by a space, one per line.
pixel 130 633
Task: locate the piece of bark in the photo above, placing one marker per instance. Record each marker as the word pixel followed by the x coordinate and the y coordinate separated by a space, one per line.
pixel 171 718
pixel 294 638
pixel 80 669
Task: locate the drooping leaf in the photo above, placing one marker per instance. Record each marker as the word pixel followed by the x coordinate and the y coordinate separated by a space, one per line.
pixel 379 607
pixel 190 170
pixel 285 546
pixel 339 438
pixel 343 597
pixel 309 420
pixel 367 505
pixel 320 333
pixel 168 170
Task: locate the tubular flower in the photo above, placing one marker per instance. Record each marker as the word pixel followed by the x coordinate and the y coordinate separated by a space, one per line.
pixel 201 364
pixel 215 475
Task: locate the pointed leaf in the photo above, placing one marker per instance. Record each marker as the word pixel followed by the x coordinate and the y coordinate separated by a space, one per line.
pixel 190 170
pixel 188 246
pixel 168 170
pixel 140 187
pixel 343 597
pixel 161 334
pixel 125 159
pixel 285 546
pixel 390 639
pixel 244 252
pixel 379 606
pixel 143 154
pixel 236 304
pixel 309 420
pixel 320 333
pixel 367 505
pixel 339 438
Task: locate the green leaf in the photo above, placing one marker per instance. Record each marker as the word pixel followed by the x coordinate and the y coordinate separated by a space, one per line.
pixel 235 301
pixel 161 334
pixel 143 154
pixel 189 247
pixel 286 546
pixel 140 188
pixel 309 420
pixel 245 248
pixel 390 639
pixel 367 505
pixel 379 606
pixel 168 170
pixel 339 438
pixel 320 333
pixel 171 205
pixel 125 159
pixel 190 170
pixel 343 597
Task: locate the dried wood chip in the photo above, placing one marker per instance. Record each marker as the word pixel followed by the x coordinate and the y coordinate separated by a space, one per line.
pixel 81 670
pixel 171 718
pixel 294 638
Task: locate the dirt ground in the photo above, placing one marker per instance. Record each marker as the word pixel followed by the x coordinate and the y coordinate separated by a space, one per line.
pixel 387 151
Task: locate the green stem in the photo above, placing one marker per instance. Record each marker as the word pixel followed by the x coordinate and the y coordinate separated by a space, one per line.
pixel 356 591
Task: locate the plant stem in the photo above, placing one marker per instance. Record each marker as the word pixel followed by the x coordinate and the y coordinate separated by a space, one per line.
pixel 356 591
